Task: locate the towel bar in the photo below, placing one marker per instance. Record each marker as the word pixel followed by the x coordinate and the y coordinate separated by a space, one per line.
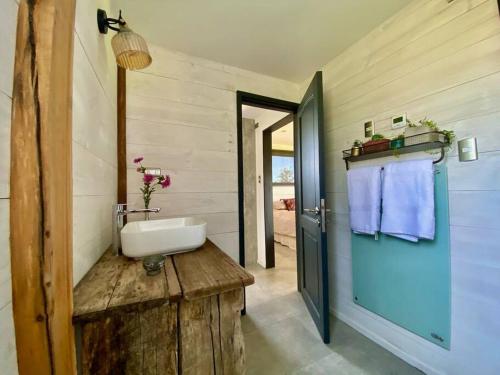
pixel 435 170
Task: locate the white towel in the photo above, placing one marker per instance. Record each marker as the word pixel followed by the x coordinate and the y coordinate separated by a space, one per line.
pixel 364 187
pixel 408 200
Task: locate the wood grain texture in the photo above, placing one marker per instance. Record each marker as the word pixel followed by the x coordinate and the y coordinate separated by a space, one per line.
pixel 215 326
pixel 132 343
pixel 121 109
pixel 41 197
pixel 136 287
pixel 116 283
pixel 174 288
pixel 196 337
pixel 232 343
pixel 215 272
pixel 203 336
pixel 211 339
pixel 95 290
pixel 120 283
pixel 131 323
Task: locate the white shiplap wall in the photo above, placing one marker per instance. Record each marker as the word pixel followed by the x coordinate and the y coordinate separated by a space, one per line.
pixel 8 23
pixel 181 116
pixel 440 60
pixel 94 138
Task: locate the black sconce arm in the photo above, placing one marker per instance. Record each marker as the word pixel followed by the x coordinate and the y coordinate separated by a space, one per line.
pixel 104 23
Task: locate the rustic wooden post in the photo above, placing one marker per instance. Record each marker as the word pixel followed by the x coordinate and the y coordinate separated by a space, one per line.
pixel 122 133
pixel 41 187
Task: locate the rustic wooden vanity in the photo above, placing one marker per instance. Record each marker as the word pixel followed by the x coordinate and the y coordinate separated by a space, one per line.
pixel 184 320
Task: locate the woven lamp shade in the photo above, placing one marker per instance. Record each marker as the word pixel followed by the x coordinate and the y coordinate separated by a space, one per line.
pixel 131 50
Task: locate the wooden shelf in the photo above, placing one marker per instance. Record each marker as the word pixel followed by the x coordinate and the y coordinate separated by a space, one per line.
pixel 424 146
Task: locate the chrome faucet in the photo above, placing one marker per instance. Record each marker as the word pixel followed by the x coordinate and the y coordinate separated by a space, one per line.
pixel 119 211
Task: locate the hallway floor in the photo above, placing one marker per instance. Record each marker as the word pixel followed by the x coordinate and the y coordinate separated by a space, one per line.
pixel 281 338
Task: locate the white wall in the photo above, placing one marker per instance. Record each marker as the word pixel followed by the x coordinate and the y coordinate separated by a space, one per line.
pixel 442 61
pixel 249 191
pixel 94 138
pixel 181 116
pixel 8 23
pixel 283 192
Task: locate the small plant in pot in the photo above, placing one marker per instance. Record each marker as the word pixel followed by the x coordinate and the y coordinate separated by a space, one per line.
pixel 427 131
pixel 397 142
pixel 376 144
pixel 357 148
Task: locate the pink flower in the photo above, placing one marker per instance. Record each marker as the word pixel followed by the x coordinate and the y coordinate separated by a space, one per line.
pixel 148 178
pixel 138 160
pixel 165 183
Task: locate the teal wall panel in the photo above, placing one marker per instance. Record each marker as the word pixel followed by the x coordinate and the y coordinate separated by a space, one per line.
pixel 408 283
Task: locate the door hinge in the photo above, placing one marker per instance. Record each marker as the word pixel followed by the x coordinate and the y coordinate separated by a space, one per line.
pixel 323 211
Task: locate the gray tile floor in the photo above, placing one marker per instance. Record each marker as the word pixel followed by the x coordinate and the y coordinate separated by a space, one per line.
pixel 281 338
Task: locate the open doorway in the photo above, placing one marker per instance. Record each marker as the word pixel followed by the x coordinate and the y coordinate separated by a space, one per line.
pixel 268 175
pixel 279 192
pixel 255 114
pixel 266 146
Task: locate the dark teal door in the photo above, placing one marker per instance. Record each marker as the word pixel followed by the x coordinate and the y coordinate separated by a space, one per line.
pixel 312 263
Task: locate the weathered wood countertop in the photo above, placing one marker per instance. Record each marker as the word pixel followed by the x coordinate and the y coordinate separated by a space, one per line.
pixel 118 283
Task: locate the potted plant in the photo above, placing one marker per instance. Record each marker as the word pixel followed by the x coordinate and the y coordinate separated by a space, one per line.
pixel 397 142
pixel 357 148
pixel 376 144
pixel 427 131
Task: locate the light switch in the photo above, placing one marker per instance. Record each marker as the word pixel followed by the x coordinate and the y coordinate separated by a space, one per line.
pixel 369 129
pixel 467 149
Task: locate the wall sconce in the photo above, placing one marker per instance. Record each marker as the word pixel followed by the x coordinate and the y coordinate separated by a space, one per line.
pixel 131 50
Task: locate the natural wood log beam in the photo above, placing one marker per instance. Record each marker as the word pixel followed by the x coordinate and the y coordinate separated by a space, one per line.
pixel 41 188
pixel 122 134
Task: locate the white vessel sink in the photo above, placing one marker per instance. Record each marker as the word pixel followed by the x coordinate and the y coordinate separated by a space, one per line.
pixel 166 236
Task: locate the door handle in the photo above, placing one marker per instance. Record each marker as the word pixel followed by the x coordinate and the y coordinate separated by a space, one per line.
pixel 314 210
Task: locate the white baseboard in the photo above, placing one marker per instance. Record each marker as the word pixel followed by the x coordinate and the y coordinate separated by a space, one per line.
pixel 387 345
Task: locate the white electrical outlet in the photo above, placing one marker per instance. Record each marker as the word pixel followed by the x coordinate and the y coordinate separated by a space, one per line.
pixel 399 121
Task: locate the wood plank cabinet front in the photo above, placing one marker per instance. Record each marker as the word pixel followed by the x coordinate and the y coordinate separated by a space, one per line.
pixel 143 334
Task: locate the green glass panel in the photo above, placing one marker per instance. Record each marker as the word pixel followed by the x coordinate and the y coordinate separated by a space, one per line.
pixel 408 283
